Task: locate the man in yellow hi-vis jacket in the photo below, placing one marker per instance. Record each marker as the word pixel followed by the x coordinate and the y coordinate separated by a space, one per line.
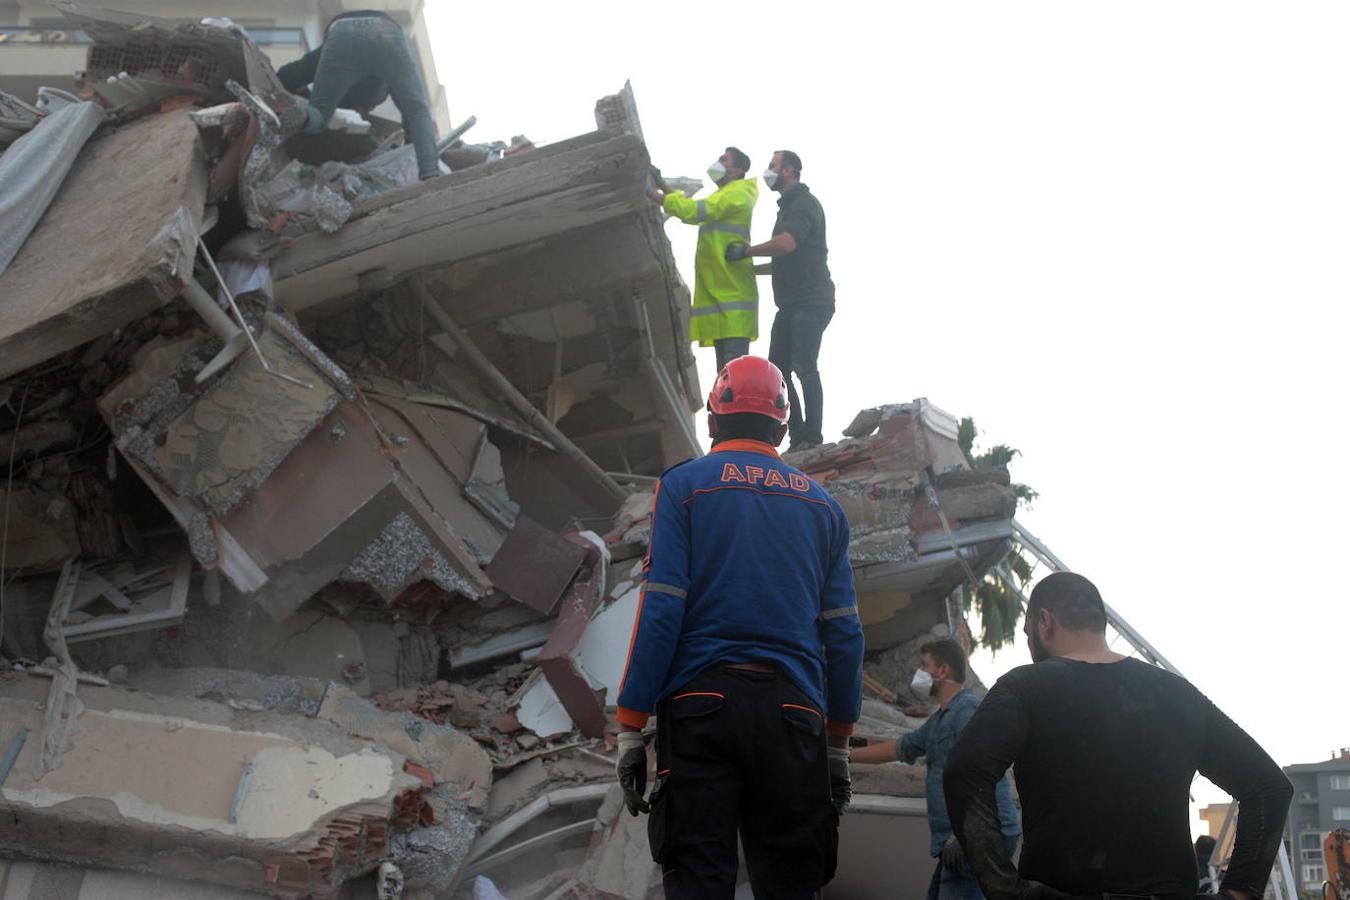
pixel 726 300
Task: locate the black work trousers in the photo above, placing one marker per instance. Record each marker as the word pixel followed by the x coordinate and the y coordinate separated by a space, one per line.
pixel 728 349
pixel 741 751
pixel 794 347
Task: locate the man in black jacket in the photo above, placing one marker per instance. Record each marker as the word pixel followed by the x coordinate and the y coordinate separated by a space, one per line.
pixel 1104 749
pixel 803 291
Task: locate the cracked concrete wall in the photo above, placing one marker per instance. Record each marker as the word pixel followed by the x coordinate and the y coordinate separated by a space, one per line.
pixel 150 783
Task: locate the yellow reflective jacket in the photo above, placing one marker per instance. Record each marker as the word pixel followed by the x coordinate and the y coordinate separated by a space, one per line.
pixel 726 298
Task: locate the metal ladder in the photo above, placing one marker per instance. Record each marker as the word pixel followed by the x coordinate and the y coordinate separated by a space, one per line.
pixel 1282 883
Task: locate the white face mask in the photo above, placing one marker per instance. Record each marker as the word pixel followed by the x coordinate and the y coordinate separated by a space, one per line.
pixel 770 178
pixel 717 172
pixel 921 683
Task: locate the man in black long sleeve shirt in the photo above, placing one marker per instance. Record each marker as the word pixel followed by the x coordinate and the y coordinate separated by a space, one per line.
pixel 1104 749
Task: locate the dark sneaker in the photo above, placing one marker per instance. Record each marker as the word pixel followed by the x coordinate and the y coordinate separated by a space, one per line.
pixel 802 446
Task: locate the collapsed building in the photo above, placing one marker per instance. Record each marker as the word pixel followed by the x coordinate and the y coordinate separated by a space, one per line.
pixel 327 492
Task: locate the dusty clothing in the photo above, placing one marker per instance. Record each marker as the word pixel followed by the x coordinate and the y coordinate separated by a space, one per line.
pixel 361 57
pixel 802 277
pixel 1104 755
pixel 716 775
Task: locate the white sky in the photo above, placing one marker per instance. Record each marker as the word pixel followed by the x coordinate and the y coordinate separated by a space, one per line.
pixel 1115 235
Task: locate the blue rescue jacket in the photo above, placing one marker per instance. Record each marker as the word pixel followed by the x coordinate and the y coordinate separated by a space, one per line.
pixel 748 562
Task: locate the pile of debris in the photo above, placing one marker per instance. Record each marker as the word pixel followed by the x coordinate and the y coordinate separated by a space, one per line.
pixel 341 482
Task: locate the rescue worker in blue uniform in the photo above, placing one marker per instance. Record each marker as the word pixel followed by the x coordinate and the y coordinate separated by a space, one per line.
pixel 748 648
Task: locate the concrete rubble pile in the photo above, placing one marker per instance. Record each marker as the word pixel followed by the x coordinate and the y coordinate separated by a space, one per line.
pixel 327 490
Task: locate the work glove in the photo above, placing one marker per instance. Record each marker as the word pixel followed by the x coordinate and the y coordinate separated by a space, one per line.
pixel 952 856
pixel 841 785
pixel 736 252
pixel 631 769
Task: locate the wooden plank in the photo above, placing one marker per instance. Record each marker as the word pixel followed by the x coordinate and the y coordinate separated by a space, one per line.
pixel 475 357
pixel 879 689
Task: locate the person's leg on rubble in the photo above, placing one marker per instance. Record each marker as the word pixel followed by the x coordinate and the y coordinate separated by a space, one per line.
pixel 399 70
pixel 789 828
pixel 696 797
pixel 728 349
pixel 345 60
pixel 780 354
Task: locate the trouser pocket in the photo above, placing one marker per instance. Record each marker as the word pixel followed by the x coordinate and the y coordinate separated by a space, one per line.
pixel 658 828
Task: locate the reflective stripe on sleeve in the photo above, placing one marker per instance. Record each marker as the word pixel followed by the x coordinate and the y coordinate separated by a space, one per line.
pixel 702 211
pixel 667 589
pixel 839 613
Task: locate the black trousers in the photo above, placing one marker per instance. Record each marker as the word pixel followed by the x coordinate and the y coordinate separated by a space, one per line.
pixel 794 346
pixel 740 751
pixel 728 349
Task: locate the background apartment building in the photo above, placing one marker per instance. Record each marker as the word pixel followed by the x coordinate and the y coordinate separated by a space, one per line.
pixel 39 47
pixel 1321 805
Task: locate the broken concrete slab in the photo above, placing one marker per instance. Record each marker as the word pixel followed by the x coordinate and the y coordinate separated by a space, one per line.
pixel 218 442
pixel 42 531
pixel 569 185
pixel 451 755
pixel 190 788
pixel 237 688
pixel 117 241
pixel 560 661
pixel 621 866
pixel 612 627
pixel 22 880
pixel 340 504
pixel 535 565
pixel 190 55
pixel 541 710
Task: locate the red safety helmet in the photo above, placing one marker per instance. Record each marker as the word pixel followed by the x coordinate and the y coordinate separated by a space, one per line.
pixel 750 384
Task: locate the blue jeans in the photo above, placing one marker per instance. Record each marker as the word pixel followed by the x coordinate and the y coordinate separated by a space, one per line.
pixel 962 885
pixel 356 49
